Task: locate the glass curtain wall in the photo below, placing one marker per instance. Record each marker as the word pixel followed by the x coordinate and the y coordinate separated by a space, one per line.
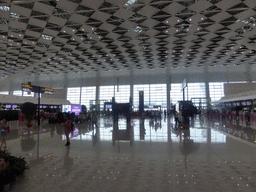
pixel 4 92
pixel 25 94
pixel 196 90
pixel 197 93
pixel 73 95
pixel 123 96
pixel 106 93
pixel 88 93
pixel 154 94
pixel 216 90
pixel 158 95
pixel 17 93
pixel 176 93
pixel 136 89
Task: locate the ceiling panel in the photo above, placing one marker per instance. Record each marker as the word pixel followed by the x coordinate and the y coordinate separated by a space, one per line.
pixel 114 35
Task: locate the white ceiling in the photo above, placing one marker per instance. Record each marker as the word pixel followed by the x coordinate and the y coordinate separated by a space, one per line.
pixel 115 37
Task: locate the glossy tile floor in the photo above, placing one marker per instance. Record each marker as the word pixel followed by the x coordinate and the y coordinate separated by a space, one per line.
pixel 211 156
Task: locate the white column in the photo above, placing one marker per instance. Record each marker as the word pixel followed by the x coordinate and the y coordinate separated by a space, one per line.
pixel 168 89
pixel 131 86
pixel 207 91
pixel 97 96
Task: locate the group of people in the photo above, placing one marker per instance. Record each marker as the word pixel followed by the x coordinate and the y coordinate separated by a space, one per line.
pixel 4 130
pixel 68 123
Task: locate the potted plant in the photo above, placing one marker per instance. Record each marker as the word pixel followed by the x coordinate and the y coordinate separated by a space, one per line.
pixel 29 110
pixel 11 168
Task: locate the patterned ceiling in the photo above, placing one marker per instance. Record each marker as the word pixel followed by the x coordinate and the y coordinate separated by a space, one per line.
pixel 105 35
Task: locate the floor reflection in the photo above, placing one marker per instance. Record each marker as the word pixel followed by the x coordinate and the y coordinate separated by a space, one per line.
pixel 152 156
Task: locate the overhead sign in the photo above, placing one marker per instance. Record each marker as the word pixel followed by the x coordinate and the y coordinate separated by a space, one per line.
pixel 32 88
pixel 45 90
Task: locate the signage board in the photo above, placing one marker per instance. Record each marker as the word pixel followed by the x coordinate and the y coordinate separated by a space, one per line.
pixel 32 88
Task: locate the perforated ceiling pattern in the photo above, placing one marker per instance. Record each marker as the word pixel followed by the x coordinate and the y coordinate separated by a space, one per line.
pixel 88 35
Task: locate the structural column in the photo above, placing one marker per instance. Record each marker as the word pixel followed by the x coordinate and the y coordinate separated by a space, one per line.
pixel 168 88
pixel 207 91
pixel 98 91
pixel 131 87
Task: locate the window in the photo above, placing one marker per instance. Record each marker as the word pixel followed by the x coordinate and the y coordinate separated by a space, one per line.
pixel 4 92
pixel 196 90
pixel 237 82
pixel 123 96
pixel 73 95
pixel 158 95
pixel 216 90
pixel 176 93
pixel 136 89
pixel 106 92
pixel 25 94
pixel 17 93
pixel 88 93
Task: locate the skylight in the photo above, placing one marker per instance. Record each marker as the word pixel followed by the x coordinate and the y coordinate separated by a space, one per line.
pixel 129 3
pixel 14 15
pixel 5 8
pixel 47 37
pixel 138 29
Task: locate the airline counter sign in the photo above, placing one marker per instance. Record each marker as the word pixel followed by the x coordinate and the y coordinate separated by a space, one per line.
pixel 46 91
pixel 32 88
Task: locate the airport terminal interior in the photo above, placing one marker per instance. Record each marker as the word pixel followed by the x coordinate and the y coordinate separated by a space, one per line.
pixel 161 95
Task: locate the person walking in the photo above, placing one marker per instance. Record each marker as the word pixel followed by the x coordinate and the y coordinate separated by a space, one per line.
pixel 176 117
pixel 68 129
pixel 4 131
pixel 94 120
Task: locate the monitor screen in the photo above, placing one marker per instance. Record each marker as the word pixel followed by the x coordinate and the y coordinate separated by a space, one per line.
pixel 248 103
pixel 55 107
pixel 66 108
pixel 44 106
pixel 51 107
pixel 76 109
pixel 108 106
pixel 14 106
pixel 8 106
